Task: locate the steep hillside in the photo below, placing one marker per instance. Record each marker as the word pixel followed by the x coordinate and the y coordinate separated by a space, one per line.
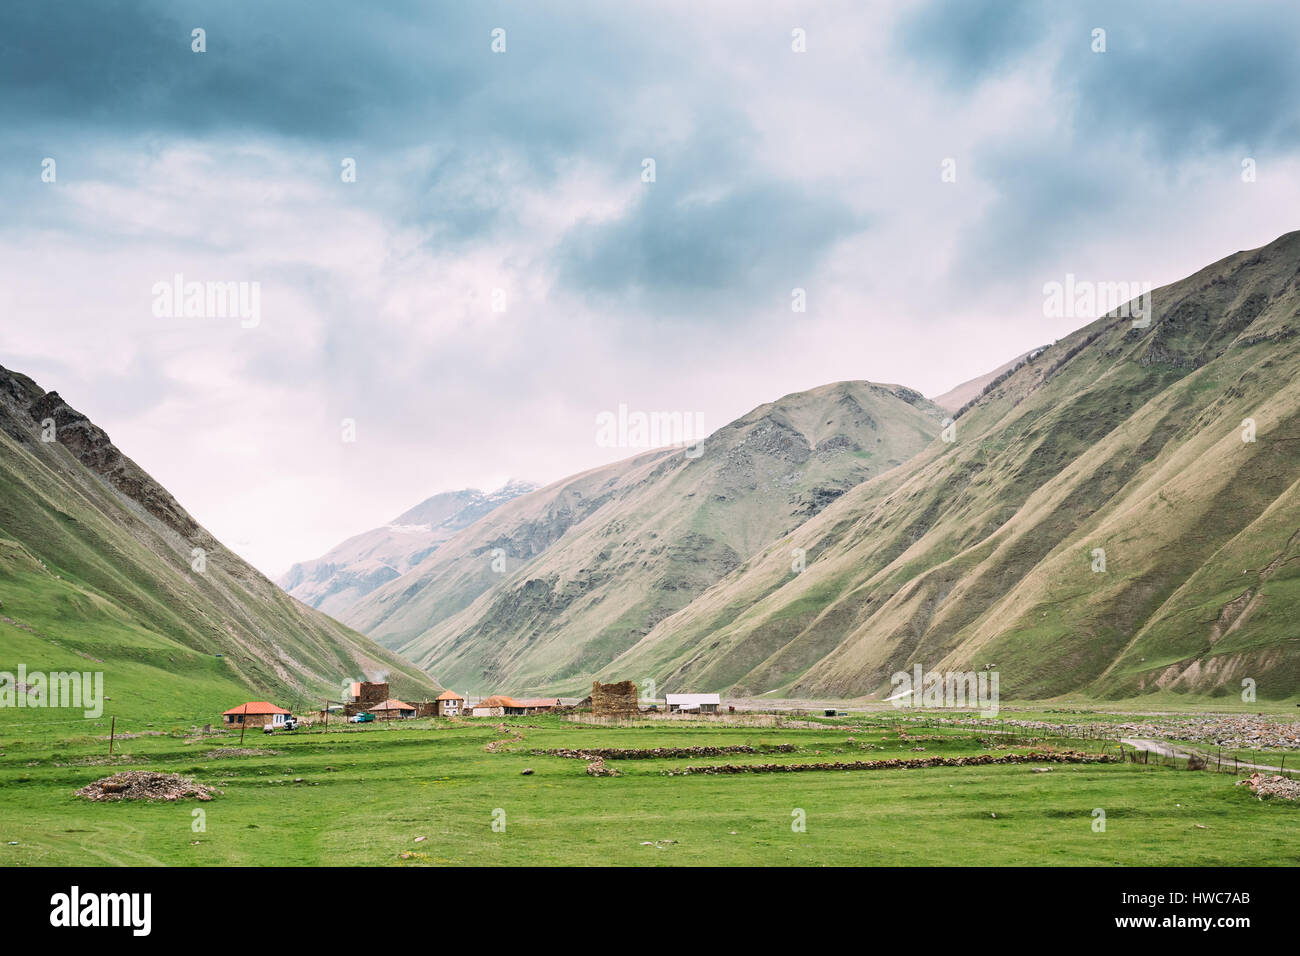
pixel 586 567
pixel 968 391
pixel 100 570
pixel 337 580
pixel 983 550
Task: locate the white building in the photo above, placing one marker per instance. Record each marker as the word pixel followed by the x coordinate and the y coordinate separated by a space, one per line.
pixel 693 703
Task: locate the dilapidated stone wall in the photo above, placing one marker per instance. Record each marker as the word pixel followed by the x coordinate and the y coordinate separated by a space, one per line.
pixel 370 695
pixel 614 700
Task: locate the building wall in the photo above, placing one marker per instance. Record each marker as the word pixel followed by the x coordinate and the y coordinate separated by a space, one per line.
pixel 369 695
pixel 614 700
pixel 247 720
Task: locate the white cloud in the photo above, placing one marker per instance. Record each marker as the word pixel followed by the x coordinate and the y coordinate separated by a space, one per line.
pixel 377 295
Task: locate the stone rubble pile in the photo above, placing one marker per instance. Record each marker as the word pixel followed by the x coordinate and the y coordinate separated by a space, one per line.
pixel 1236 731
pixel 1263 785
pixel 145 785
pixel 597 768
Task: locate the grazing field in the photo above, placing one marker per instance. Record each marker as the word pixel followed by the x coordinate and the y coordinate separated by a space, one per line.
pixel 364 795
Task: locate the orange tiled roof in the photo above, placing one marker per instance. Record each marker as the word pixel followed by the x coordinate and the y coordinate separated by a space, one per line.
pixel 449 695
pixel 255 707
pixel 501 700
pixel 392 704
pixel 498 700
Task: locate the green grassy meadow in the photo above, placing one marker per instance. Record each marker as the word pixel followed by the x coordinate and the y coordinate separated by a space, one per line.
pixel 351 795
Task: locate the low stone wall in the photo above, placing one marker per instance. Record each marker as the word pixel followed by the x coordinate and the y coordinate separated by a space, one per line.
pixel 597 768
pixel 894 763
pixel 654 753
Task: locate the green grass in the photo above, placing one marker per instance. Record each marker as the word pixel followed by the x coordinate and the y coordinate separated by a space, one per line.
pixel 392 783
pixel 92 576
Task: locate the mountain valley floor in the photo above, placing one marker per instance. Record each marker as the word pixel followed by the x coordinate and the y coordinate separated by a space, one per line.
pixel 486 792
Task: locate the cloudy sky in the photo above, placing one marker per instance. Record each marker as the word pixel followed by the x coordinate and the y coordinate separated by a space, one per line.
pixel 522 171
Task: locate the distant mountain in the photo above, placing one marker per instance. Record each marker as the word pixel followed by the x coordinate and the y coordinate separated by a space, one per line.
pixel 549 588
pixel 1118 515
pixel 960 395
pixel 337 580
pixel 102 569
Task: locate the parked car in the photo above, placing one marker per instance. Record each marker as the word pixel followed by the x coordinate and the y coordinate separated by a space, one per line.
pixel 361 718
pixel 290 723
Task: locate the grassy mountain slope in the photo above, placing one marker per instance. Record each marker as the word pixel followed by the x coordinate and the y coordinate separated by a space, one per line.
pixel 967 391
pixel 593 563
pixel 337 580
pixel 96 572
pixel 981 551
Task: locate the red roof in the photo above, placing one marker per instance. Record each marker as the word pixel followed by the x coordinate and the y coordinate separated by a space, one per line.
pixel 501 700
pixel 255 707
pixel 392 704
pixel 450 695
pixel 498 700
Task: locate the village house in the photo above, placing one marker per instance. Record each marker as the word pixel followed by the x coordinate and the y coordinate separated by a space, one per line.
pixel 535 705
pixel 392 709
pixel 693 703
pixel 448 704
pixel 494 706
pixel 255 713
pixel 499 705
pixel 364 695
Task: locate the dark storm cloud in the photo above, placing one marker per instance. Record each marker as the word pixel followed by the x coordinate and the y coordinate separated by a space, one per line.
pixel 971 40
pixel 392 74
pixel 673 253
pixel 710 235
pixel 371 80
pixel 1179 83
pixel 1185 75
pixel 1191 78
pixel 1045 201
pixel 521 171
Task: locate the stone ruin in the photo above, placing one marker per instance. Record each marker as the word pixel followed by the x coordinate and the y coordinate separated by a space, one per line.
pixel 614 700
pixel 370 694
